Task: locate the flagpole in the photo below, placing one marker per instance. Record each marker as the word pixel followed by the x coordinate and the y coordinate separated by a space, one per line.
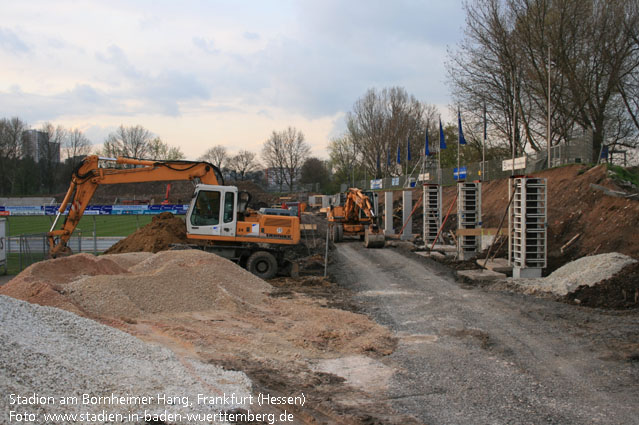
pixel 407 152
pixel 439 157
pixel 458 143
pixel 483 149
pixel 424 155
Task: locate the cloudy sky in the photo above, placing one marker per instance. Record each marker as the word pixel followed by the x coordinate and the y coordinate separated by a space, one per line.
pixel 203 73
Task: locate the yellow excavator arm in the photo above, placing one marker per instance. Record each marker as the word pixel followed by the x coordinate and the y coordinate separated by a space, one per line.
pixel 355 197
pixel 89 175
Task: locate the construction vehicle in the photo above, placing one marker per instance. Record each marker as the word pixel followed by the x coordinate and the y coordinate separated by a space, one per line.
pixel 217 217
pixel 165 201
pixel 357 217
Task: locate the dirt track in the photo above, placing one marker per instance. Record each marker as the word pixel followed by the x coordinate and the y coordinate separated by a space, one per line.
pixel 468 355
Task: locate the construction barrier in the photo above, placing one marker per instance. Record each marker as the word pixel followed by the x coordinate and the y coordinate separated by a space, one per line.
pixel 177 209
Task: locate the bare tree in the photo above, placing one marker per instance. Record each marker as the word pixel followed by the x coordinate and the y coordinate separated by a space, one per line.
pixel 587 46
pixel 217 155
pixel 76 145
pixel 273 156
pixel 10 151
pixel 380 122
pixel 242 164
pixel 344 157
pixel 128 141
pixel 486 70
pixel 285 152
pixel 49 153
pixel 162 151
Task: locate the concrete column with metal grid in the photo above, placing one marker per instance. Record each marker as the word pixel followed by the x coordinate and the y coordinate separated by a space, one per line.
pixel 388 213
pixel 432 212
pixel 407 220
pixel 528 236
pixel 468 217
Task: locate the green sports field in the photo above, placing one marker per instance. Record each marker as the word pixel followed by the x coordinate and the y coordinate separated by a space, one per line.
pixel 105 225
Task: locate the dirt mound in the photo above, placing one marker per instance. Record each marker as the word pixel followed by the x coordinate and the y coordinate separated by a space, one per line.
pixel 203 306
pixel 621 291
pixel 179 293
pixel 43 282
pixel 165 229
pixel 170 282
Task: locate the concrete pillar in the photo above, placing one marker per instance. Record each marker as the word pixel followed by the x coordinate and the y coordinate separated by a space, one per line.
pixel 432 207
pixel 407 221
pixel 528 222
pixel 468 217
pixel 388 213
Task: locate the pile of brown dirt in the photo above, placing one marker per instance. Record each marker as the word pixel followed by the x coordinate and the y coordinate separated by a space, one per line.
pixel 165 229
pixel 621 291
pixel 44 282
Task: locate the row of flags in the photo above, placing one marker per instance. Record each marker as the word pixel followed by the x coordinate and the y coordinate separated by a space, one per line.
pixel 442 143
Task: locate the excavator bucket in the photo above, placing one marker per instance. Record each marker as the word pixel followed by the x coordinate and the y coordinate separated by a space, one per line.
pixel 374 238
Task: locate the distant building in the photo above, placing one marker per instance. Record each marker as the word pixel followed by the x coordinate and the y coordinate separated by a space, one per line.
pixel 36 144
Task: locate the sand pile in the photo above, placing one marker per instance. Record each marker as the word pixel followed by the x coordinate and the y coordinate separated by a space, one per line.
pixel 201 299
pixel 165 229
pixel 586 271
pixel 55 353
pixel 135 284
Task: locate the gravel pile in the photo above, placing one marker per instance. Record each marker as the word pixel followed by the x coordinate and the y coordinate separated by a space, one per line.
pixel 55 353
pixel 586 271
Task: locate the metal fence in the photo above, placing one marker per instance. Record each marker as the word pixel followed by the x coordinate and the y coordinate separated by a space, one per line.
pixel 573 152
pixel 26 249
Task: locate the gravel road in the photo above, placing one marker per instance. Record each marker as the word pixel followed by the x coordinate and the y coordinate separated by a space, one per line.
pixel 468 355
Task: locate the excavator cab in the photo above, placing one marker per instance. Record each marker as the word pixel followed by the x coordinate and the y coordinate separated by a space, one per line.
pixel 213 211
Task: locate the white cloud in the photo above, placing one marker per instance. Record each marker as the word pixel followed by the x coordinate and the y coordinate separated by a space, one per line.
pixel 216 71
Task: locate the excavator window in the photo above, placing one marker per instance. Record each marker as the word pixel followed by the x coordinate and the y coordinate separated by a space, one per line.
pixel 229 204
pixel 207 209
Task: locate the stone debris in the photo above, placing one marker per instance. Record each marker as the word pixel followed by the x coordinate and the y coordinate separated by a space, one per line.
pixel 55 353
pixel 588 271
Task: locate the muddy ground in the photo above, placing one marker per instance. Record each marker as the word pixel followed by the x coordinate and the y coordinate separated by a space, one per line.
pixel 468 354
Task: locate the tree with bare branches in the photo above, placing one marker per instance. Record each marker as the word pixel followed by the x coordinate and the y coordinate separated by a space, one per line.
pixel 243 163
pixel 380 122
pixel 217 155
pixel 284 153
pixel 131 142
pixel 76 145
pixel 588 50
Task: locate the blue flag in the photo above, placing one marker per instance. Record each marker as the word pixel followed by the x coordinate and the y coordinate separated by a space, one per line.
pixel 399 158
pixel 426 151
pixel 462 140
pixel 604 152
pixel 442 139
pixel 408 150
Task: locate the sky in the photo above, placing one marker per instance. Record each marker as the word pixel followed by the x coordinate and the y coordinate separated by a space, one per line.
pixel 204 73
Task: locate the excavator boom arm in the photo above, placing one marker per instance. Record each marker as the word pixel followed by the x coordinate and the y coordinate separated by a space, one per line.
pixel 355 197
pixel 89 175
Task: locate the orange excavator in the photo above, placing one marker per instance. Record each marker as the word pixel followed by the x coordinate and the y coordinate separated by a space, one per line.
pixel 217 214
pixel 356 217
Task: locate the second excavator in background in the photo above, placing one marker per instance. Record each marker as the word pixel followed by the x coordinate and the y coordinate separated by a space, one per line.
pixel 357 217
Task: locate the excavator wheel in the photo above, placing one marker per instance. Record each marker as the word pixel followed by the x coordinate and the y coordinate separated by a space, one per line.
pixel 262 264
pixel 374 240
pixel 338 233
